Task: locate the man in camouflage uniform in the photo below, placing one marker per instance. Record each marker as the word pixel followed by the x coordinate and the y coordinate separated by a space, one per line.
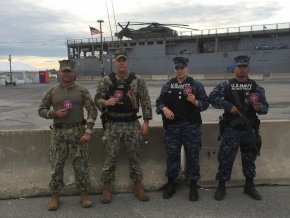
pixel 180 102
pixel 118 96
pixel 242 99
pixel 70 131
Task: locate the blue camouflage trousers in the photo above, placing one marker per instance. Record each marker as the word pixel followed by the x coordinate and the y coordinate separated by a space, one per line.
pixel 129 133
pixel 231 141
pixel 188 135
pixel 64 141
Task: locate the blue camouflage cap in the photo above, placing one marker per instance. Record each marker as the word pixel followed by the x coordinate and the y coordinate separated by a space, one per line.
pixel 180 61
pixel 66 65
pixel 242 60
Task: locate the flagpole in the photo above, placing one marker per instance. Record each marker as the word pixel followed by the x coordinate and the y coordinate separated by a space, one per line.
pixel 101 54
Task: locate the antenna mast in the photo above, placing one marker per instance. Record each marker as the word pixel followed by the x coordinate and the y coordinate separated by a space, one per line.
pixel 114 15
pixel 109 20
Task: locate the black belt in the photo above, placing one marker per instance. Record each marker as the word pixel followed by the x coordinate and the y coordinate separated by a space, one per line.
pixel 67 125
pixel 129 117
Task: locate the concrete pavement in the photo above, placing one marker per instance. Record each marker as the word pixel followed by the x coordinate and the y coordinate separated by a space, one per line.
pixel 19 104
pixel 275 203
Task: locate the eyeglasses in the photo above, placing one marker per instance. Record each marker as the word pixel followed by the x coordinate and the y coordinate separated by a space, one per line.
pixel 179 68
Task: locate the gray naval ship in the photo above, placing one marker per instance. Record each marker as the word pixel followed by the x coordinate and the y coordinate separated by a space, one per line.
pixel 210 51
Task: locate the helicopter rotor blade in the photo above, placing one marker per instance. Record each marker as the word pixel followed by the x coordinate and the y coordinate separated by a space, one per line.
pixel 164 24
pixel 120 26
pixel 127 24
pixel 155 24
pixel 187 28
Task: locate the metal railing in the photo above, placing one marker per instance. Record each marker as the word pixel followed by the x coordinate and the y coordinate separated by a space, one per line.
pixel 215 31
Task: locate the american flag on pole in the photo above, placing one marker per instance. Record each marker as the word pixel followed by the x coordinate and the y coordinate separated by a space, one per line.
pixel 94 31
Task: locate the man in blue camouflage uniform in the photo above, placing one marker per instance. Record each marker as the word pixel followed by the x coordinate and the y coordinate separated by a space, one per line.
pixel 180 102
pixel 242 99
pixel 70 131
pixel 118 96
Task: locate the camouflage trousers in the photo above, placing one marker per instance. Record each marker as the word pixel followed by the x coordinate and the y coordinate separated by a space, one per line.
pixel 129 133
pixel 64 141
pixel 231 141
pixel 188 135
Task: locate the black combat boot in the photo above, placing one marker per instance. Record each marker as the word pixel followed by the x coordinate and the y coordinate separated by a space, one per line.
pixel 169 189
pixel 249 189
pixel 221 191
pixel 193 194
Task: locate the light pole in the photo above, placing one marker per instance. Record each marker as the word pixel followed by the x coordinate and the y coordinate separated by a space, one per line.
pixel 102 49
pixel 10 72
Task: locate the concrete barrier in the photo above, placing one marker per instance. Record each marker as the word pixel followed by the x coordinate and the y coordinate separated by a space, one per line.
pixel 198 76
pixel 89 78
pixel 159 77
pixel 147 77
pixel 256 76
pixel 279 76
pixel 252 76
pixel 25 169
pixel 220 76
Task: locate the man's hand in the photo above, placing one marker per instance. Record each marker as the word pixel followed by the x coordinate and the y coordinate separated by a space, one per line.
pixel 235 110
pixel 168 113
pixel 145 128
pixel 60 113
pixel 257 106
pixel 86 137
pixel 191 98
pixel 111 101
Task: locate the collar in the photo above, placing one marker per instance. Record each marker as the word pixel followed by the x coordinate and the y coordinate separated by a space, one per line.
pixel 67 87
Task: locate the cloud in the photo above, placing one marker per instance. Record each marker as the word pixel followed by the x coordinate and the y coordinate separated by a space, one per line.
pixel 204 16
pixel 40 28
pixel 32 29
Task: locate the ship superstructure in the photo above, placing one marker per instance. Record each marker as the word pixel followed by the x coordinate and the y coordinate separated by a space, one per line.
pixel 209 51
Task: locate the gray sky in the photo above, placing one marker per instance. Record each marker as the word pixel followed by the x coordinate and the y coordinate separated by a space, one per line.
pixel 35 31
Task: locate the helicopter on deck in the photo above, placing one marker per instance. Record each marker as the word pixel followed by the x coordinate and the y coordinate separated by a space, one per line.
pixel 153 30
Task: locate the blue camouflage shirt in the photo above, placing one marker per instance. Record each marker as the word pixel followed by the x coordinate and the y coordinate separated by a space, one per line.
pixel 217 97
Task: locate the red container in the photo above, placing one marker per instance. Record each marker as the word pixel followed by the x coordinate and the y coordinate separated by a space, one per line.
pixel 43 77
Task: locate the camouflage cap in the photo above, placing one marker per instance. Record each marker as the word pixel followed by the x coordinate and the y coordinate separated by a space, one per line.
pixel 66 65
pixel 242 60
pixel 121 53
pixel 180 61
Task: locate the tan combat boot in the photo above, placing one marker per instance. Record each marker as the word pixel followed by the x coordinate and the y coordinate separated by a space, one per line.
pixel 85 201
pixel 106 196
pixel 53 203
pixel 139 191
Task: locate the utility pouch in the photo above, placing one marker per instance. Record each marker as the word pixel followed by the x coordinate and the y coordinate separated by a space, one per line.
pixel 133 100
pixel 104 119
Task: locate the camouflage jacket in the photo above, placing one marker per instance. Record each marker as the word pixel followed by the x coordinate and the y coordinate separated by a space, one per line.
pixel 138 87
pixel 79 97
